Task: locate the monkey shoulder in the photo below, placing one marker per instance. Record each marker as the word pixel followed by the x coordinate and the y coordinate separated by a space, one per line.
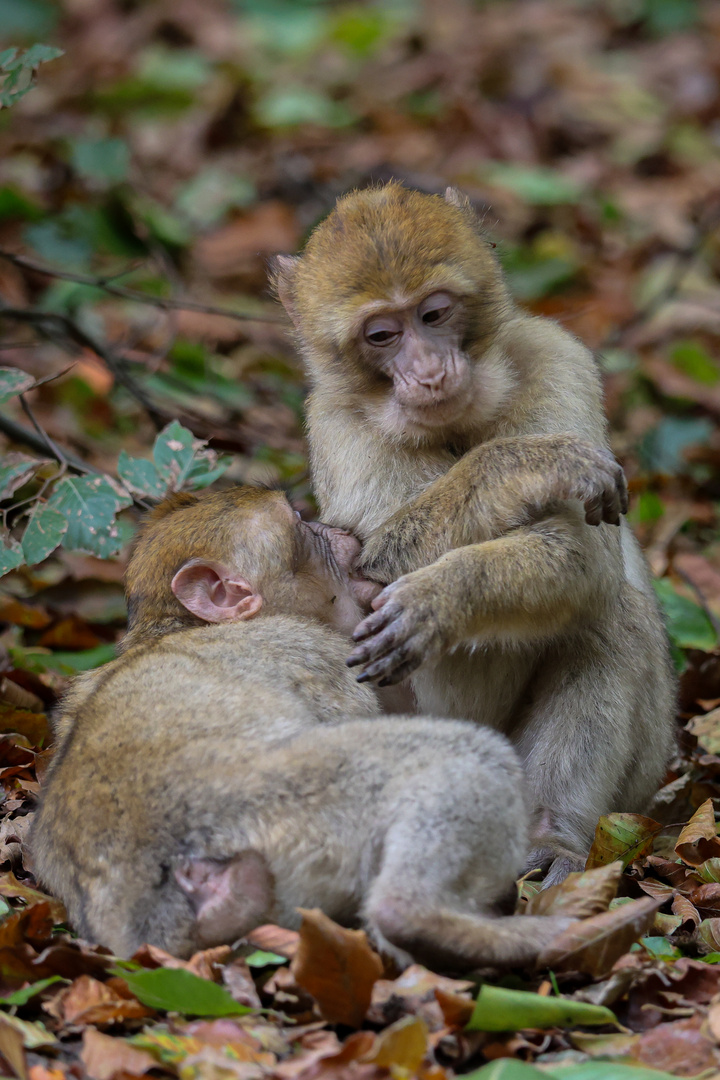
pixel 559 381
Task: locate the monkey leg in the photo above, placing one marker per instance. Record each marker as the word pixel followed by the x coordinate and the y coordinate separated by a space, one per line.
pixel 598 732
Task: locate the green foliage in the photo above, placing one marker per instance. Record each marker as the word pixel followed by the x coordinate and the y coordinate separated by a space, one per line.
pixel 694 360
pixel 80 512
pixel 499 1009
pixel 534 185
pixel 513 1069
pixel 688 625
pixel 17 70
pixel 178 990
pixel 663 448
pixel 105 161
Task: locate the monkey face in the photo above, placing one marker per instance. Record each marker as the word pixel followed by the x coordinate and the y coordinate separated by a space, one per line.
pixel 419 348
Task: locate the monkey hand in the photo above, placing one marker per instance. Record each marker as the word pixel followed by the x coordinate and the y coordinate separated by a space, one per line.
pixel 590 474
pixel 403 631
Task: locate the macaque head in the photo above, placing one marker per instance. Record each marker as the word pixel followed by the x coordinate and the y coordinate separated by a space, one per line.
pixel 396 302
pixel 225 556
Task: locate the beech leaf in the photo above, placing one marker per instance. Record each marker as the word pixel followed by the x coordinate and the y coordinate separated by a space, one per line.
pixel 499 1009
pixel 579 895
pixel 337 966
pixel 699 841
pixel 593 945
pixel 623 837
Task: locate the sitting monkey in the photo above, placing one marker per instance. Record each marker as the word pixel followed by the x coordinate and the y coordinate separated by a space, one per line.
pixel 226 768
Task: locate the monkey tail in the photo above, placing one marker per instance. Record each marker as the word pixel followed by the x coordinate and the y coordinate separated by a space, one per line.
pixel 460 941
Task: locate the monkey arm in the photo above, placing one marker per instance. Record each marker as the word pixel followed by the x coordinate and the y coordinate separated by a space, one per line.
pixel 527 586
pixel 497 486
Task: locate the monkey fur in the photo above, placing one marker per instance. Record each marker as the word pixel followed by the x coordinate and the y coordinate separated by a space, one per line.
pixel 464 443
pixel 227 769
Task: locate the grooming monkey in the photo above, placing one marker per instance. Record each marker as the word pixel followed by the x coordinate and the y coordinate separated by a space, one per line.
pixel 464 443
pixel 226 768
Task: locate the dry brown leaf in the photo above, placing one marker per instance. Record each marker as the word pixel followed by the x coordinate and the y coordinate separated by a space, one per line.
pixel 337 966
pixel 70 633
pixel 20 614
pixel 686 910
pixel 579 895
pixel 10 886
pixel 89 1001
pixel 403 1045
pixel 12 1049
pixel 699 841
pixel 593 945
pixel 103 1056
pixel 28 722
pixel 680 1048
pixel 456 1010
pixel 706 899
pixel 277 939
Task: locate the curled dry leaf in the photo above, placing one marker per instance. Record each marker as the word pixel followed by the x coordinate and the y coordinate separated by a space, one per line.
pixel 706 899
pixel 593 945
pixel 337 966
pixel 623 837
pixel 686 910
pixel 11 887
pixel 89 1001
pixel 708 932
pixel 699 841
pixel 579 895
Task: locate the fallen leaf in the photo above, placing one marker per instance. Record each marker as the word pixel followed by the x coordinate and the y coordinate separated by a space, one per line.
pixel 579 895
pixel 593 945
pixel 681 1048
pixel 10 886
pixel 89 1001
pixel 337 966
pixel 20 614
pixel 686 910
pixel 276 939
pixel 456 1010
pixel 403 1045
pixel 12 1049
pixel 70 633
pixel 28 722
pixel 623 837
pixel 103 1056
pixel 499 1009
pixel 699 841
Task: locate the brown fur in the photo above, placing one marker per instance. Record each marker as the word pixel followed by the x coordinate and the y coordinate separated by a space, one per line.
pixel 218 776
pixel 516 612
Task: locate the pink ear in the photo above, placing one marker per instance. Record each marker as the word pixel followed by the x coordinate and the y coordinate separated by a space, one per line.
pixel 284 269
pixel 214 593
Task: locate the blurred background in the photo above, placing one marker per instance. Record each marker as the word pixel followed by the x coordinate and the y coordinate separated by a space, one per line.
pixel 175 144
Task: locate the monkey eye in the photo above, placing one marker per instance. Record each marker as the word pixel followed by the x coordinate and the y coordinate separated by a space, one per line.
pixel 382 332
pixel 436 308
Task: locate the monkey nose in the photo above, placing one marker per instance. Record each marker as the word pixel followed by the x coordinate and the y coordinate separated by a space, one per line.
pixel 432 381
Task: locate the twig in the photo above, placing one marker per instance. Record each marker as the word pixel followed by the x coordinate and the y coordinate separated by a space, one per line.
pixel 43 321
pixel 166 303
pixel 39 443
pixel 51 446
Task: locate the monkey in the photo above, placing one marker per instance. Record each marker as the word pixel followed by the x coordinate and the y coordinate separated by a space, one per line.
pixel 227 768
pixel 464 443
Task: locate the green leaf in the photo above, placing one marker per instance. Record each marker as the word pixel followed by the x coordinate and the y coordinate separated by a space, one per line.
pixel 173 454
pixel 260 958
pixel 533 184
pixel 694 360
pixel 498 1009
pixel 12 382
pixel 16 471
pixel 21 997
pixel 39 54
pixel 14 204
pixel 66 662
pixel 10 558
pixel 90 503
pixel 290 106
pixel 140 476
pixel 206 469
pixel 512 1069
pixel 662 449
pixel 25 18
pixel 6 58
pixel 104 160
pixel 206 199
pixel 660 948
pixel 687 624
pixel 45 530
pixel 178 990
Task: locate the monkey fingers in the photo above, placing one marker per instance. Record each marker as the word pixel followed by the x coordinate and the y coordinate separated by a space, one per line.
pixel 396 640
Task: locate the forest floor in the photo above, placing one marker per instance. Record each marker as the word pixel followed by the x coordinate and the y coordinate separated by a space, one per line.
pixel 169 151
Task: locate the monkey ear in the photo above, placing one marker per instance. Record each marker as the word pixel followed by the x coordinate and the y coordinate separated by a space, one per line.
pixel 453 197
pixel 283 269
pixel 214 593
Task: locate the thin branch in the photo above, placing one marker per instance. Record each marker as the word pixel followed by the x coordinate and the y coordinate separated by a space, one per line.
pixel 39 443
pixel 44 321
pixel 51 446
pixel 165 303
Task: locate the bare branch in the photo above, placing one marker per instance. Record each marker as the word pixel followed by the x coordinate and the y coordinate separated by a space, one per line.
pixel 165 303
